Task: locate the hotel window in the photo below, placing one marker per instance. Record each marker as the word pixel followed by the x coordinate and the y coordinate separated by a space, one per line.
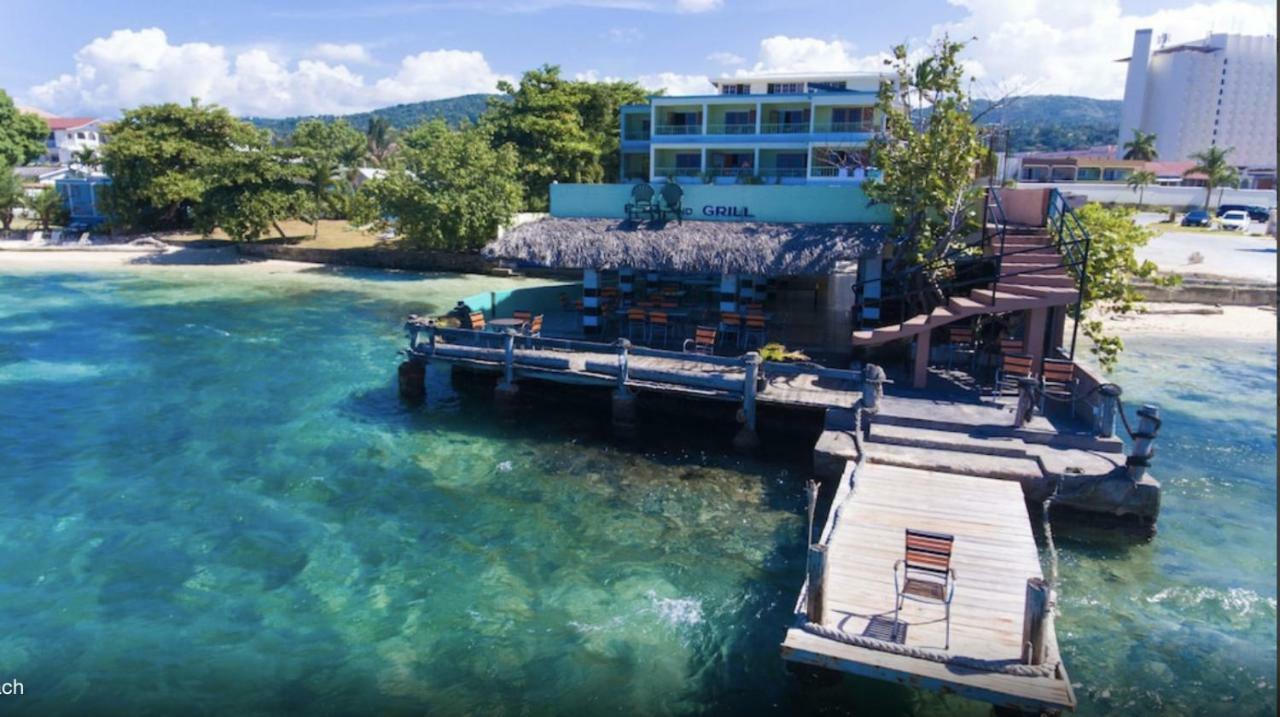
pixel 1112 174
pixel 688 160
pixel 684 119
pixel 1062 173
pixel 739 118
pixel 852 119
pixel 739 89
pixel 829 86
pixel 1088 174
pixel 785 88
pixel 790 160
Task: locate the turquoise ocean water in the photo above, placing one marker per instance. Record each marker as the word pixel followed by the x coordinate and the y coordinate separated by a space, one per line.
pixel 212 501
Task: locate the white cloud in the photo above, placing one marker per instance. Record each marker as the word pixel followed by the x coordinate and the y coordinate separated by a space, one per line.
pixel 1072 48
pixel 677 84
pixel 696 6
pixel 349 52
pixel 129 68
pixel 810 54
pixel 726 58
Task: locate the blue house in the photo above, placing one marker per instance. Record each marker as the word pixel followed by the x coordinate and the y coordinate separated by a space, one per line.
pixel 83 196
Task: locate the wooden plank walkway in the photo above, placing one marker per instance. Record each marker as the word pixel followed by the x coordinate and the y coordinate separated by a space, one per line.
pixel 695 376
pixel 994 556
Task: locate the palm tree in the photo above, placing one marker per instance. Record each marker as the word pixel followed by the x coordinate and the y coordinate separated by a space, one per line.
pixel 381 144
pixel 1141 147
pixel 1212 163
pixel 1138 182
pixel 87 158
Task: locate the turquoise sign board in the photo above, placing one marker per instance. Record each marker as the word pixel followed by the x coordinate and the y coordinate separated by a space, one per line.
pixel 801 203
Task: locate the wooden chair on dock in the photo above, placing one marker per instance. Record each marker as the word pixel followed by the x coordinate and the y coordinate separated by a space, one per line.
pixel 521 315
pixel 1012 346
pixel 960 338
pixel 658 324
pixel 730 326
pixel 927 576
pixel 703 341
pixel 477 321
pixel 1013 367
pixel 754 332
pixel 1057 381
pixel 636 324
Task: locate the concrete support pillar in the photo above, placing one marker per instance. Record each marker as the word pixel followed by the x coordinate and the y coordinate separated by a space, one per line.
pixel 590 301
pixel 1037 323
pixel 506 391
pixel 748 439
pixel 1144 441
pixel 728 293
pixel 920 371
pixel 1109 396
pixel 624 401
pixel 413 381
pixel 1057 326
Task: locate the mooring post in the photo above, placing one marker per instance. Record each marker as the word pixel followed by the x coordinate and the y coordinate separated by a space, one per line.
pixel 873 380
pixel 413 380
pixel 1034 619
pixel 1026 401
pixel 747 438
pixel 411 328
pixel 624 401
pixel 816 594
pixel 507 389
pixel 1110 394
pixel 1144 441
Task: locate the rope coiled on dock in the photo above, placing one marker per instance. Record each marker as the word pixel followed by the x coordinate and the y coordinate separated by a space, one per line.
pixel 923 653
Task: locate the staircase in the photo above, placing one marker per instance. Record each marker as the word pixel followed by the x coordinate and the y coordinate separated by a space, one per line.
pixel 1032 275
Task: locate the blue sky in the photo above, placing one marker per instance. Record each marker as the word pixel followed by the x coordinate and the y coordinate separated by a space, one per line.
pixel 327 56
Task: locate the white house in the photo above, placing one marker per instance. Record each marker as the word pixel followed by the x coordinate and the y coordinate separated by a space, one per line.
pixel 68 135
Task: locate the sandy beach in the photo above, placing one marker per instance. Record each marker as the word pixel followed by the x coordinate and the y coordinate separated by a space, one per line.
pixel 1198 321
pixel 123 256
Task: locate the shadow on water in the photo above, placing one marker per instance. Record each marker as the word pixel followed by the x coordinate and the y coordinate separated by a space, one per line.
pixel 375 274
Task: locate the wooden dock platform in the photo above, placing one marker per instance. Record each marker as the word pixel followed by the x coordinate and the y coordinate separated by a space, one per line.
pixel 994 556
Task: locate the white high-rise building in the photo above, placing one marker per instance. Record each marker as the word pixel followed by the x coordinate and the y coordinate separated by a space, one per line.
pixel 1216 92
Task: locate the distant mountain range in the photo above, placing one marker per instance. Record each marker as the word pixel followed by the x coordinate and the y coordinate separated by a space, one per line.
pixel 452 110
pixel 1035 122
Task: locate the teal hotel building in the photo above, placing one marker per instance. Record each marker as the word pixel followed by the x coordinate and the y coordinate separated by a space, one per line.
pixel 770 209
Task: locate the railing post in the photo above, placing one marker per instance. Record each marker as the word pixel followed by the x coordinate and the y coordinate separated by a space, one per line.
pixel 1034 618
pixel 1084 285
pixel 816 567
pixel 1026 401
pixel 1144 441
pixel 431 337
pixel 506 390
pixel 873 380
pixel 747 438
pixel 1110 394
pixel 412 327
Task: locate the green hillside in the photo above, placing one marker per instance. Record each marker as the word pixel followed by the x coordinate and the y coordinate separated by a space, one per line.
pixel 453 110
pixel 1054 122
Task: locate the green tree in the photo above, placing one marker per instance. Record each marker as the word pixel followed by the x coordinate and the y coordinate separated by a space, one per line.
pixel 49 206
pixel 379 141
pixel 928 160
pixel 1212 163
pixel 454 192
pixel 22 134
pixel 86 158
pixel 1138 182
pixel 324 149
pixel 564 131
pixel 1141 147
pixel 1113 268
pixel 246 193
pixel 159 159
pixel 12 197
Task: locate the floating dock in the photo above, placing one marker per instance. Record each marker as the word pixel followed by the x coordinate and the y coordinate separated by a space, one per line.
pixel 994 556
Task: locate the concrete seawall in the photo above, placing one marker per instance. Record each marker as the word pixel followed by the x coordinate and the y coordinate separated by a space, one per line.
pixel 1226 292
pixel 407 260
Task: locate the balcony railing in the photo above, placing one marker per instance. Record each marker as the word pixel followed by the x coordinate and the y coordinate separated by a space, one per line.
pixel 677 129
pixel 662 171
pixel 632 134
pixel 784 128
pixel 732 128
pixel 783 171
pixel 845 127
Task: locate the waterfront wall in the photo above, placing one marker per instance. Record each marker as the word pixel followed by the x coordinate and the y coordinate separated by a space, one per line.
pixel 536 300
pixel 815 204
pixel 1194 290
pixel 407 260
pixel 1179 197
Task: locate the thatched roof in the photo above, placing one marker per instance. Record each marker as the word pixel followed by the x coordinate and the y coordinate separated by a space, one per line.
pixel 693 247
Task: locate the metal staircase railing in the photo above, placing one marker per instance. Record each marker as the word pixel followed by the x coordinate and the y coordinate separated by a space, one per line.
pixel 1073 242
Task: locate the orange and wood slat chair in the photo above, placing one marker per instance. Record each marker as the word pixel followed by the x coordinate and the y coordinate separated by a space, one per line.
pixel 755 330
pixel 477 321
pixel 1012 346
pixel 1013 367
pixel 731 325
pixel 535 326
pixel 1057 381
pixel 635 322
pixel 703 341
pixel 521 315
pixel 658 324
pixel 927 575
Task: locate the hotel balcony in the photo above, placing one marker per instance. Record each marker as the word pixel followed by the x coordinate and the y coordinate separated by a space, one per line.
pixel 730 165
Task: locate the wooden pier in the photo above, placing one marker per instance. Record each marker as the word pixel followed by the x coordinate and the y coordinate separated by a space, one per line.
pixel 994 558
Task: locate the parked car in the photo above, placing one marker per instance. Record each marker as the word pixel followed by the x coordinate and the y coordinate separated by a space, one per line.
pixel 1235 219
pixel 1256 213
pixel 1197 218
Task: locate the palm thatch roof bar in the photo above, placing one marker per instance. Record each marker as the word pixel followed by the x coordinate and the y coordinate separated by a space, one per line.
pixel 761 248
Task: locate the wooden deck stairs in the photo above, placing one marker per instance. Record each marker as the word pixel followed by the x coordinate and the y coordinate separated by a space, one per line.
pixel 1032 276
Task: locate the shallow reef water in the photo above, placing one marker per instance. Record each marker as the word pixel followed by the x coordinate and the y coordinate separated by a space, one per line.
pixel 213 501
